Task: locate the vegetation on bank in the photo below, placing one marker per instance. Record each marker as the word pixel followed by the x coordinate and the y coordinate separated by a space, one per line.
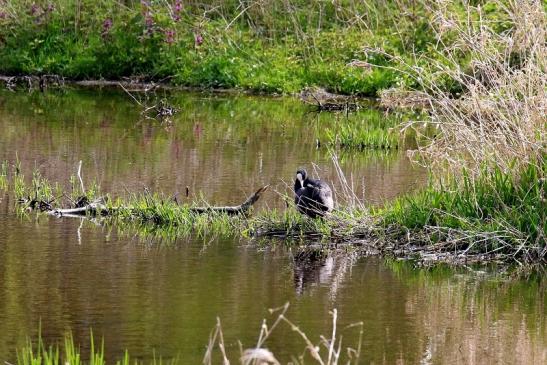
pixel 272 47
pixel 492 212
pixel 468 220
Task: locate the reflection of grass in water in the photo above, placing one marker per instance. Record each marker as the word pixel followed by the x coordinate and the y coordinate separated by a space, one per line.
pixel 4 176
pixel 332 354
pixel 235 118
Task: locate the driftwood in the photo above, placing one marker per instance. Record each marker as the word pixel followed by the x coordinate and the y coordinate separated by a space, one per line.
pixel 325 101
pixel 94 209
pixel 32 82
pixel 233 210
pixel 97 207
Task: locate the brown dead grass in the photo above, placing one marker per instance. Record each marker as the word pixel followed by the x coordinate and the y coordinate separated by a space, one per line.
pixel 499 118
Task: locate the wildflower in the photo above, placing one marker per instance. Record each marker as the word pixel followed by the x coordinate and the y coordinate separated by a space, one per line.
pixel 169 36
pixel 178 6
pixel 148 23
pixel 177 9
pixel 35 9
pixel 50 8
pixel 3 15
pixel 107 25
pixel 198 39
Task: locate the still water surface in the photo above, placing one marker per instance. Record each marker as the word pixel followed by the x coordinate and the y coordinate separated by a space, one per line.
pixel 148 297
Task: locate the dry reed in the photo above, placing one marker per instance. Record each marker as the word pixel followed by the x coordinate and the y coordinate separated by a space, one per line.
pixel 259 355
pixel 499 117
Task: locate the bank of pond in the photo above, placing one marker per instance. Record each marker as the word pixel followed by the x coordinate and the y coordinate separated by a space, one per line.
pixel 494 217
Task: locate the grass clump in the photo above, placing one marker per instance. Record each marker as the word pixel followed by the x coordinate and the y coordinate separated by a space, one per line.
pixel 493 212
pixel 364 137
pixel 372 130
pixel 4 176
pixel 157 210
pixel 69 353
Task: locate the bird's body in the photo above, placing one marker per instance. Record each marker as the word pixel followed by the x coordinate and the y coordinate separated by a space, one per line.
pixel 312 197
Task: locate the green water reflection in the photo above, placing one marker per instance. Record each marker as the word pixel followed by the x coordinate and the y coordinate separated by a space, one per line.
pixel 147 298
pixel 219 146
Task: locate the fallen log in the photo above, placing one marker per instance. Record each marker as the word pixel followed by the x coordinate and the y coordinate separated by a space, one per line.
pixel 98 208
pixel 233 210
pixel 91 209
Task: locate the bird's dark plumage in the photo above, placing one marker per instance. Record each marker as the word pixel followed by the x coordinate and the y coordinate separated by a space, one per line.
pixel 312 197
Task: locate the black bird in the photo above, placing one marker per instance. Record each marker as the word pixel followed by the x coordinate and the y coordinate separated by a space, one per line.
pixel 312 197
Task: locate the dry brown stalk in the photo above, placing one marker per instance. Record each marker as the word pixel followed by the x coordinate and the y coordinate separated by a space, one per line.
pixel 259 355
pixel 499 118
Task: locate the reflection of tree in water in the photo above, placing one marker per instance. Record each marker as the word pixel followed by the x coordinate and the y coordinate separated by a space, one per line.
pixel 314 267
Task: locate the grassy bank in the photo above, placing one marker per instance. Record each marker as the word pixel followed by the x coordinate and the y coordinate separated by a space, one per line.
pixel 272 47
pixel 494 216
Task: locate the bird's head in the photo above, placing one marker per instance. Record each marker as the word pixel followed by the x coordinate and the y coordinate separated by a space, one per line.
pixel 301 176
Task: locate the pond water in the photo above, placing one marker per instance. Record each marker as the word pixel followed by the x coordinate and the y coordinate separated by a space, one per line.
pixel 151 297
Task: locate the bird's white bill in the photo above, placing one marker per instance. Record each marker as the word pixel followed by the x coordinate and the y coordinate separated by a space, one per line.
pixel 299 177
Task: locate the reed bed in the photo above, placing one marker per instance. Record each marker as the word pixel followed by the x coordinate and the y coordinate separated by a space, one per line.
pixel 488 155
pixel 498 115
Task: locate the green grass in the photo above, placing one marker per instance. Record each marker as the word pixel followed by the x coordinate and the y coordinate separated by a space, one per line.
pixel 364 136
pixel 511 207
pixel 272 48
pixel 69 353
pixel 4 176
pixel 372 129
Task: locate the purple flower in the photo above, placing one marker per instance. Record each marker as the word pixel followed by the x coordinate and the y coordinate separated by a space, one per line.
pixel 178 6
pixel 177 9
pixel 3 15
pixel 50 8
pixel 169 36
pixel 34 9
pixel 198 39
pixel 107 25
pixel 148 23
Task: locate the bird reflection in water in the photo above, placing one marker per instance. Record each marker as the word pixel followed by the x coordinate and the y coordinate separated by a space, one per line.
pixel 314 268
